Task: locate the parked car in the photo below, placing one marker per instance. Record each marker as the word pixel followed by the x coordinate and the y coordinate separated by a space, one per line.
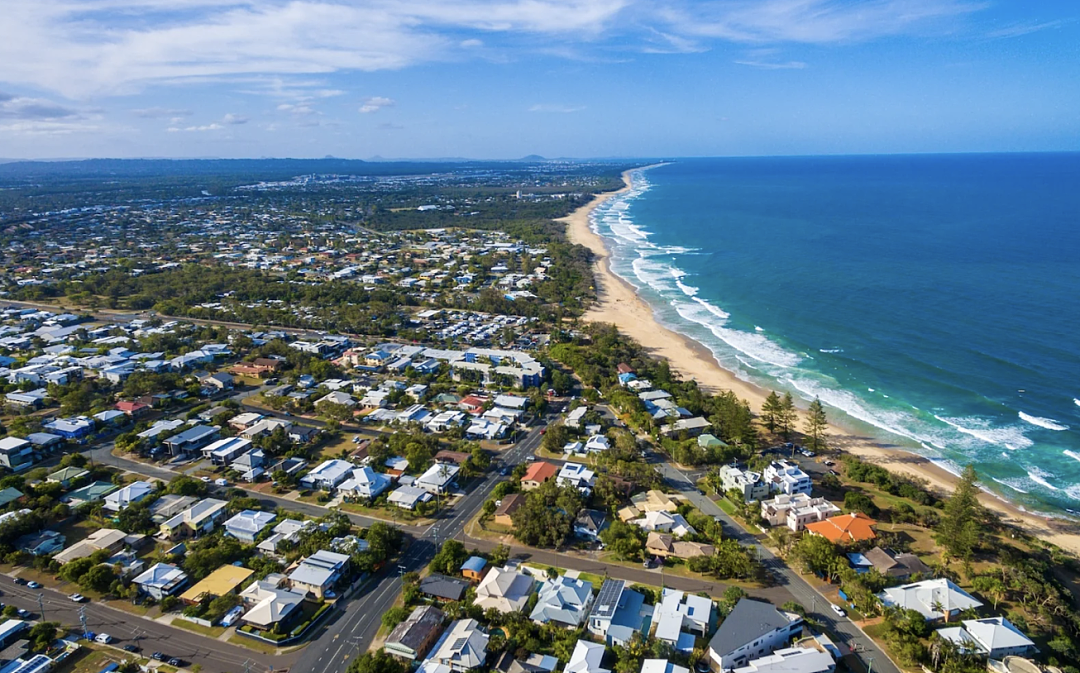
pixel 78 598
pixel 178 663
pixel 157 656
pixel 829 463
pixel 103 638
pixel 838 610
pixel 33 585
pixel 221 482
pixel 19 580
pixel 131 648
pixel 25 614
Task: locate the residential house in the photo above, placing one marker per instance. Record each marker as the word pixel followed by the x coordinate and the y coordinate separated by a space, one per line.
pixel 750 485
pixel 846 528
pixel 364 484
pixel 200 518
pixel 318 573
pixel 665 544
pixel 537 473
pixel 564 601
pixel 224 580
pixel 246 526
pixel 474 568
pixel 75 428
pixel 891 564
pixel 664 522
pixel 443 588
pixel 225 451
pixel 796 511
pixel 504 513
pixel 534 663
pixel 661 666
pixel 412 638
pixel 328 475
pixel 134 492
pixel 578 476
pixel 586 658
pixel 597 443
pixel 792 660
pixel 16 454
pixel 618 613
pixel 42 543
pixel 190 440
pixel 751 630
pixel 589 523
pixel 993 637
pixel 679 616
pixel 933 599
pixel 504 590
pixel 786 477
pixel 66 476
pixel 269 604
pixel 105 538
pixel 408 497
pixel 251 465
pixel 462 648
pixel 438 478
pixel 161 580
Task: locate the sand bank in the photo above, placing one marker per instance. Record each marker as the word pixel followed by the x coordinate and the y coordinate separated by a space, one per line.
pixel 619 304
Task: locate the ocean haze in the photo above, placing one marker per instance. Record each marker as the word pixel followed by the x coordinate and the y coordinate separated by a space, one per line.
pixel 929 298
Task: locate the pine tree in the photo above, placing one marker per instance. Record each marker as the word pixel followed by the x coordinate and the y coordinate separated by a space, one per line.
pixel 786 417
pixel 958 531
pixel 770 411
pixel 816 424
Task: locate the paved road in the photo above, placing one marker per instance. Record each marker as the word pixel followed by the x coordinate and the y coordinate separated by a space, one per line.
pixel 351 632
pixel 801 591
pixel 212 655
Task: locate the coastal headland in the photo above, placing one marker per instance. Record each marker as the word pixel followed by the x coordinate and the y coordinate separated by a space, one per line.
pixel 619 304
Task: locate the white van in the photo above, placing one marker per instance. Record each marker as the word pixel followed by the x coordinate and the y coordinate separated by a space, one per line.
pixel 103 638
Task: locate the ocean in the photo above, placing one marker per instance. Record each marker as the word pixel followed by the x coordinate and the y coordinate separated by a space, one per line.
pixel 931 300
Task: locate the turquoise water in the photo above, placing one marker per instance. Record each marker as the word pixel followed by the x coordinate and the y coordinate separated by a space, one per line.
pixel 931 300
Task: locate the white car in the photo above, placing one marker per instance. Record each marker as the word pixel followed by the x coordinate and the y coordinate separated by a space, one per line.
pixel 103 638
pixel 838 610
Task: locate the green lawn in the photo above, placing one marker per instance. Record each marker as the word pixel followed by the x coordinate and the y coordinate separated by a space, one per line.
pixel 212 631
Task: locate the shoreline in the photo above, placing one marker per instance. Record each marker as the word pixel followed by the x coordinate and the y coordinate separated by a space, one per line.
pixel 619 304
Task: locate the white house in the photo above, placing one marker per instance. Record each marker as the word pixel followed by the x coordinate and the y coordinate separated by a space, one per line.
pixel 328 474
pixel 564 601
pixel 132 493
pixel 365 483
pixel 462 648
pixel 578 476
pixel 597 443
pixel 504 590
pixel 247 525
pixel 792 660
pixel 751 630
pixel 678 612
pixel 993 637
pixel 408 497
pixel 786 477
pixel 749 484
pixel 161 580
pixel 933 599
pixel 586 658
pixel 665 522
pixel 795 511
pixel 437 478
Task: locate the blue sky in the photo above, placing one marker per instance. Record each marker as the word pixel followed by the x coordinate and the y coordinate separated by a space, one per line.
pixel 561 78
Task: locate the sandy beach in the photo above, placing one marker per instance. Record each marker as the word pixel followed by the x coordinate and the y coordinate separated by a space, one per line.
pixel 619 304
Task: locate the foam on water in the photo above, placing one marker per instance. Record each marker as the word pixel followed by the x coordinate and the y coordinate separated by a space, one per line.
pixel 755 346
pixel 1011 438
pixel 1039 476
pixel 1011 483
pixel 1072 454
pixel 1048 423
pixel 1076 402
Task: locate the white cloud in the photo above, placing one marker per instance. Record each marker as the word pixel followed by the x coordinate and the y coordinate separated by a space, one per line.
pixel 563 109
pixel 811 21
pixel 33 109
pixel 375 103
pixel 196 129
pixel 160 112
pixel 772 65
pixel 234 119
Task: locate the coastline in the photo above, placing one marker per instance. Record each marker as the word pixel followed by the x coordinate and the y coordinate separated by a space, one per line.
pixel 619 304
